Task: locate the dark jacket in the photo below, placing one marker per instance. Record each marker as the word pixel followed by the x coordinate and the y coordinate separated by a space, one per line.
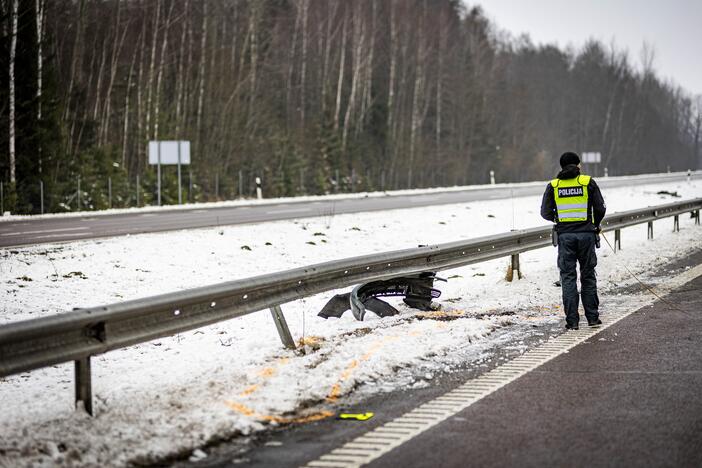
pixel 595 205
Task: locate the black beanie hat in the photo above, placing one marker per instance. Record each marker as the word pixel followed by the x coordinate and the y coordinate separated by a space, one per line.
pixel 569 158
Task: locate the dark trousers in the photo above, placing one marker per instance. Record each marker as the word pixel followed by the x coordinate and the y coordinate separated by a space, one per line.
pixel 580 247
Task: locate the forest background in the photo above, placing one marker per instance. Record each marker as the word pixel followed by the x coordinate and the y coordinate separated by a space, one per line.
pixel 313 96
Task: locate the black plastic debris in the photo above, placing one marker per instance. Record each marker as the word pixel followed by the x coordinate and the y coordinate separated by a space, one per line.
pixel 417 289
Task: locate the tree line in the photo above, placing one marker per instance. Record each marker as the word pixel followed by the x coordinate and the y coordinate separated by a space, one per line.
pixel 313 96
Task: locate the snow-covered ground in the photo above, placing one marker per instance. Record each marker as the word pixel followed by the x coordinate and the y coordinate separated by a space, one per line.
pixel 176 394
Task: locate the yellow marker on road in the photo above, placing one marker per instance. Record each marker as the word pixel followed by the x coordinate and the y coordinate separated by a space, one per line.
pixel 356 416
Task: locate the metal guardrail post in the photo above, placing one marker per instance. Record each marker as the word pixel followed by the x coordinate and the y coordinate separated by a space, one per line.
pixel 282 327
pixel 676 223
pixel 650 230
pixel 617 239
pixel 516 269
pixel 697 217
pixel 84 387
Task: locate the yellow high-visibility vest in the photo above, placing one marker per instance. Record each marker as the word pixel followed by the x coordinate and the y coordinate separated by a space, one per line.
pixel 571 198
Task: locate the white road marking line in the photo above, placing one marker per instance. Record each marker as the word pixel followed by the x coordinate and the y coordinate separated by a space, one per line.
pixel 404 428
pixel 422 198
pixel 64 235
pixel 296 210
pixel 44 231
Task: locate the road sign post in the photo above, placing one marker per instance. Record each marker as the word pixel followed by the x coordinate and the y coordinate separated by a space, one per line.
pixel 180 195
pixel 591 158
pixel 169 152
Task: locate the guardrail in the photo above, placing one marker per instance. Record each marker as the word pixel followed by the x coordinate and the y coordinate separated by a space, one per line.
pixel 82 333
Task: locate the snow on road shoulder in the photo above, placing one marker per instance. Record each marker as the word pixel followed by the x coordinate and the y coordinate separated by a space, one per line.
pixel 175 394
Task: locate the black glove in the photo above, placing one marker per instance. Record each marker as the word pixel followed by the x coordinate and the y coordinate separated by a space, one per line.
pixel 598 230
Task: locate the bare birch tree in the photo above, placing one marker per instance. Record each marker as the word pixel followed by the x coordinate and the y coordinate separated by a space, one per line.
pixel 39 6
pixel 13 52
pixel 202 77
pixel 152 66
pixel 159 77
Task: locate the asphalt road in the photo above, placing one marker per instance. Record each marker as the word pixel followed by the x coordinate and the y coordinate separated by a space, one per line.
pixel 629 396
pixel 62 229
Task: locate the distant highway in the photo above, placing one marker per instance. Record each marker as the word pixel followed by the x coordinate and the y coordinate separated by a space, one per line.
pixel 62 229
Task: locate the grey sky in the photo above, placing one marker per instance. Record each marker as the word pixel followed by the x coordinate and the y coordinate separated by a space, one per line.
pixel 673 27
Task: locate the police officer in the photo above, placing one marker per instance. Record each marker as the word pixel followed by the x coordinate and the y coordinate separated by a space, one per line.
pixel 574 202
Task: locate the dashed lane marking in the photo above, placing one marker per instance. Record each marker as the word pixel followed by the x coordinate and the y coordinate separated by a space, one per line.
pixel 288 210
pixel 381 440
pixel 77 234
pixel 44 231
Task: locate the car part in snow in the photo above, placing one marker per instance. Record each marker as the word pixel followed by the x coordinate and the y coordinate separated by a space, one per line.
pixel 417 289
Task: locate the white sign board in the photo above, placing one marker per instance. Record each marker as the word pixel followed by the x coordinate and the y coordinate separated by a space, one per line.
pixel 589 158
pixel 169 152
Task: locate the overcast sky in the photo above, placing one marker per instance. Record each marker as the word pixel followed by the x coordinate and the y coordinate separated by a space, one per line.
pixel 673 27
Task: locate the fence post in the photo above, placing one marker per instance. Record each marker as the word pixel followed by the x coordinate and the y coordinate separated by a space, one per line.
pixel 190 186
pixel 41 195
pixel 617 239
pixel 83 384
pixel 650 230
pixel 241 185
pixel 282 326
pixel 259 193
pixel 302 181
pixel 492 177
pixel 109 191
